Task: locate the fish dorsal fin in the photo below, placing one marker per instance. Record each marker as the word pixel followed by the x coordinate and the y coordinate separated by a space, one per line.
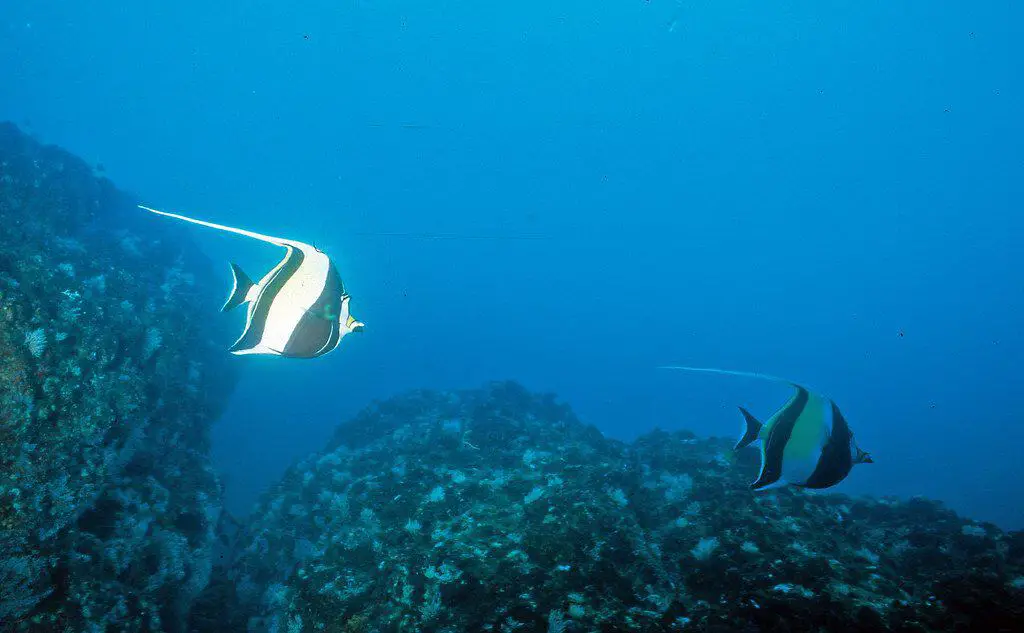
pixel 730 372
pixel 745 374
pixel 279 241
pixel 239 290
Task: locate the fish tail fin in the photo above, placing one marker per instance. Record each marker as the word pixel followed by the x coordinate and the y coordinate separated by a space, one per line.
pixel 751 432
pixel 239 290
pixel 230 229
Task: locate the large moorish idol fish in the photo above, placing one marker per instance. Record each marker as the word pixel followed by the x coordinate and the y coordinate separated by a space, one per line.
pixel 298 310
pixel 806 443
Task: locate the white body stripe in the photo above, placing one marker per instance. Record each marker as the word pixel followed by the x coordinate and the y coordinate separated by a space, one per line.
pixel 253 297
pixel 797 468
pixel 296 297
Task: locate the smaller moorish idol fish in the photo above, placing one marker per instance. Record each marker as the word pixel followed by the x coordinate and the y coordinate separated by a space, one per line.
pixel 806 443
pixel 298 310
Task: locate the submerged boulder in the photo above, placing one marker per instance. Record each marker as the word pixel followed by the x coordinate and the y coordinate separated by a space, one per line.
pixel 109 379
pixel 497 510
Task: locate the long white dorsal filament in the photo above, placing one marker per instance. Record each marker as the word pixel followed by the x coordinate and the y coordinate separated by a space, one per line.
pixel 279 241
pixel 729 372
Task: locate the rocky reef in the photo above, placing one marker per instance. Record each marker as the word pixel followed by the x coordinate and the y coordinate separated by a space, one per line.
pixel 491 510
pixel 497 510
pixel 110 374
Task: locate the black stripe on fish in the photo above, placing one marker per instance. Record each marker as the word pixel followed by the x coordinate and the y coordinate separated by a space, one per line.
pixel 333 340
pixel 311 334
pixel 261 306
pixel 319 326
pixel 778 437
pixel 836 461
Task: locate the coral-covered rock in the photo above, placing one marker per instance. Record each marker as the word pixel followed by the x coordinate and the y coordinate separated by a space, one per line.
pixel 108 382
pixel 496 510
pixel 494 499
pixel 813 561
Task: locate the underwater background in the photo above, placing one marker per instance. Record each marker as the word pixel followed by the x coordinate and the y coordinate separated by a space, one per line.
pixel 566 195
pixel 571 194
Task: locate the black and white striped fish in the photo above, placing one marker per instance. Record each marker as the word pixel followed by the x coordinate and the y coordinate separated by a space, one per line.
pixel 298 310
pixel 806 443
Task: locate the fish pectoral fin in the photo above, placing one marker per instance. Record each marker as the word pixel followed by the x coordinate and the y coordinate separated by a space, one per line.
pixel 751 432
pixel 239 290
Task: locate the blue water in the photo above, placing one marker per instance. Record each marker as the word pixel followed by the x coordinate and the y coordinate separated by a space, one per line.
pixel 584 191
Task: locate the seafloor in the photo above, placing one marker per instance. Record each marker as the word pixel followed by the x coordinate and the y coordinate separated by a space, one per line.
pixel 490 510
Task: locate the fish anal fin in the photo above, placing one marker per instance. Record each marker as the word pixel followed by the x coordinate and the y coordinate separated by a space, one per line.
pixel 751 432
pixel 758 486
pixel 239 290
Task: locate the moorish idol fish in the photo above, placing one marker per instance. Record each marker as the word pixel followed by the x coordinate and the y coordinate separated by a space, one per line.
pixel 298 310
pixel 806 443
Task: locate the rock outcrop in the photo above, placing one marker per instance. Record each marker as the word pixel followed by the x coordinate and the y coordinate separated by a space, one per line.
pixel 496 510
pixel 493 510
pixel 109 380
